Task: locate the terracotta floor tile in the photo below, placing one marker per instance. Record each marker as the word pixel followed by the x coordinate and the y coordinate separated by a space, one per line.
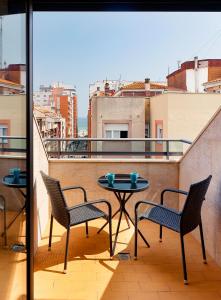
pixel 156 275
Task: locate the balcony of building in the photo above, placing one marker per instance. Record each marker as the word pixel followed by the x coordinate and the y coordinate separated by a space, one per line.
pixel 157 274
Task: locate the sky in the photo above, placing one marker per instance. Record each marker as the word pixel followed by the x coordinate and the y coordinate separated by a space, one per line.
pixel 81 48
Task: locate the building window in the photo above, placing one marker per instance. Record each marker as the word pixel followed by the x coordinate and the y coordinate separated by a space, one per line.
pixel 116 131
pixel 3 132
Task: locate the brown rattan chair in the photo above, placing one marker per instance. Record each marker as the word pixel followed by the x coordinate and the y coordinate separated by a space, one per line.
pixel 70 216
pixel 182 222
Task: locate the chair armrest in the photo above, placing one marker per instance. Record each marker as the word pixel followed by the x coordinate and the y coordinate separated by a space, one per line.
pixel 173 191
pixel 67 188
pixel 93 202
pixel 155 204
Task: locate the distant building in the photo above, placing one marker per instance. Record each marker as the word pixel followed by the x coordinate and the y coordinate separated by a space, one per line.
pixel 192 75
pixel 13 79
pixel 106 87
pixel 9 88
pixel 144 88
pixel 213 86
pixel 50 124
pixel 15 73
pixel 42 97
pixel 64 102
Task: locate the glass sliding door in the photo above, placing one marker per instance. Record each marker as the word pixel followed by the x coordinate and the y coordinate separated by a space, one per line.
pixel 13 151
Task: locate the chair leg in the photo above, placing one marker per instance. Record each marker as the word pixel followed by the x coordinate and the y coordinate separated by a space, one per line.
pixel 50 234
pixel 183 259
pixel 110 236
pixel 161 233
pixel 5 226
pixel 66 250
pixel 87 231
pixel 202 243
pixel 135 235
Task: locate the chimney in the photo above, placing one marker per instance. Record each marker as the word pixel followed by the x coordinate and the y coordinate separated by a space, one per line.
pixel 147 84
pixel 106 89
pixel 196 62
pixel 196 74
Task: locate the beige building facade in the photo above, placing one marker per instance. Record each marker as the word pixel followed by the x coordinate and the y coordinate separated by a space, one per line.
pixel 118 117
pixel 13 120
pixel 181 115
pixel 118 114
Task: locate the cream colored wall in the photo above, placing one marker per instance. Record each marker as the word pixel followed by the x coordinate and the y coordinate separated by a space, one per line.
pixel 159 111
pixel 203 159
pixel 117 109
pixel 41 200
pixel 189 113
pixel 13 108
pixel 161 174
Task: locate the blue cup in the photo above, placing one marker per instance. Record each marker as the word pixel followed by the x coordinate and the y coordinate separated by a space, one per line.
pixel 110 178
pixel 15 172
pixel 133 177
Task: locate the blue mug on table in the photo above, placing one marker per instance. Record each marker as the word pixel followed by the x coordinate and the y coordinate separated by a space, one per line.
pixel 133 177
pixel 110 178
pixel 15 172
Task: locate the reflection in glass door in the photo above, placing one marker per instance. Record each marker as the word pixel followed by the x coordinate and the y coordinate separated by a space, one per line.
pixel 13 260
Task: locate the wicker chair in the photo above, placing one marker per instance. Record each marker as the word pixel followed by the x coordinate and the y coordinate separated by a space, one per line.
pixel 182 222
pixel 70 216
pixel 3 208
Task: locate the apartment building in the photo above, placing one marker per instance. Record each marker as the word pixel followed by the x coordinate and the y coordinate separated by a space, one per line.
pixel 9 87
pixel 144 88
pixel 15 73
pixel 213 86
pixel 64 102
pixel 50 124
pixel 192 75
pixel 42 97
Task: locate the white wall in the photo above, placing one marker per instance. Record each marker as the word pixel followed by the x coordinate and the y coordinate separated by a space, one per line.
pixel 41 202
pixel 202 77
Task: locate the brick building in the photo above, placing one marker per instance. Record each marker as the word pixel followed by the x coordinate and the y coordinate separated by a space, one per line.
pixel 64 102
pixel 193 74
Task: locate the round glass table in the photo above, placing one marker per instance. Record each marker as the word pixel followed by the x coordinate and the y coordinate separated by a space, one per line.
pixel 19 184
pixel 123 189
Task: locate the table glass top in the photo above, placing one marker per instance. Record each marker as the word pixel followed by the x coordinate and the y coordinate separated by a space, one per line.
pixel 122 183
pixel 9 180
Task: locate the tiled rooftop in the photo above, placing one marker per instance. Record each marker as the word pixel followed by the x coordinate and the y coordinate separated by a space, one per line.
pixel 140 85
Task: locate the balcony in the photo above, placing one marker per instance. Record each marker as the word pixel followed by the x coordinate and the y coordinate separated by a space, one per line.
pixel 157 274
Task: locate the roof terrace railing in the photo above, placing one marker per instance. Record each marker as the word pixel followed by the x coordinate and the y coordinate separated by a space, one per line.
pixel 12 144
pixel 116 147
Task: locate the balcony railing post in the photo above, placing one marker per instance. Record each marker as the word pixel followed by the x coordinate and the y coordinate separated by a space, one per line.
pixel 59 148
pixel 167 149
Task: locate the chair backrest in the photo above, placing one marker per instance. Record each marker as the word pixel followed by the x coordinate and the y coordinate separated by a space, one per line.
pixel 191 214
pixel 58 204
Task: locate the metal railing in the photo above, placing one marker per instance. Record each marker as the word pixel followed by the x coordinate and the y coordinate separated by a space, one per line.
pixel 123 147
pixel 12 144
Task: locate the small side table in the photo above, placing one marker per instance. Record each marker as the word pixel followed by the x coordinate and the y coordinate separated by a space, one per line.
pixel 123 190
pixel 8 181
